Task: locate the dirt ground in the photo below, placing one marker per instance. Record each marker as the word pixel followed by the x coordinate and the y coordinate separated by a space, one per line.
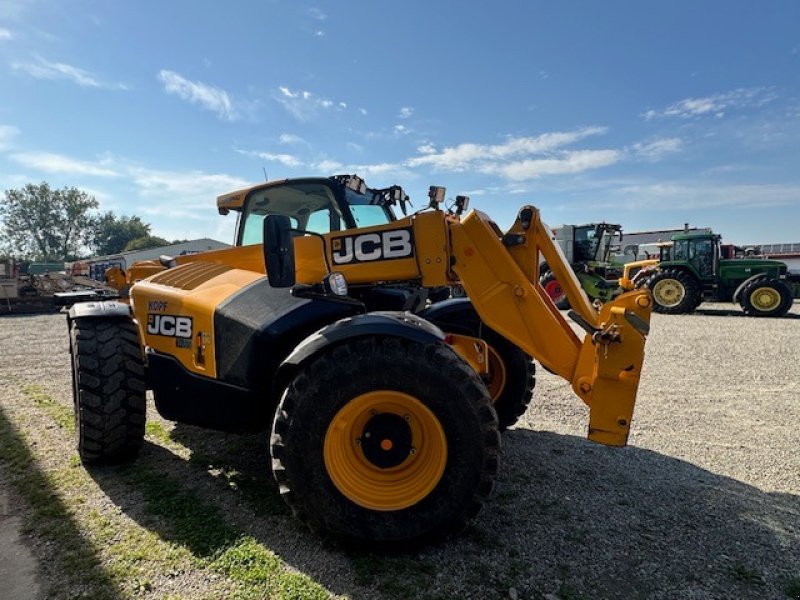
pixel 704 503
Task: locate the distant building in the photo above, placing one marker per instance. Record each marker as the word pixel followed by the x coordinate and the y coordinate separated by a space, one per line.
pixel 96 267
pixel 788 253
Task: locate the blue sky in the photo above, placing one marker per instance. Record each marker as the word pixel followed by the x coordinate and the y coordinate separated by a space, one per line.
pixel 650 114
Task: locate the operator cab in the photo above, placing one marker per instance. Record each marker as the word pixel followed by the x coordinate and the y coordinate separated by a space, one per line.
pixel 315 205
pixel 700 250
pixel 596 242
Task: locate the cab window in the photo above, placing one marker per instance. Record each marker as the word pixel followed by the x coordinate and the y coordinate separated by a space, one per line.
pixel 309 206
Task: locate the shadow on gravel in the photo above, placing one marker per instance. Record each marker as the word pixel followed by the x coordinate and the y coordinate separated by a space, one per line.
pixel 77 568
pixel 567 517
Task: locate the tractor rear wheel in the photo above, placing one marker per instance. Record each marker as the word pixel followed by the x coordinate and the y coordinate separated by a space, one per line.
pixel 766 297
pixel 554 290
pixel 674 292
pixel 108 389
pixel 385 442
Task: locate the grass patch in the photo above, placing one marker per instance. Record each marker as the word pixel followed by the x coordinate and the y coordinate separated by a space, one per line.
pixel 76 561
pixel 181 531
pixel 199 526
pixel 60 415
pixel 792 588
pixel 746 575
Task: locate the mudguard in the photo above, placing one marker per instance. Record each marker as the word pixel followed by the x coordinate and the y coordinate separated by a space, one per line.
pixel 739 289
pixel 456 315
pixel 108 309
pixel 398 324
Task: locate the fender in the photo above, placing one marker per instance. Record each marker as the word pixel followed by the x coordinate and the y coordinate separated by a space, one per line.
pixel 392 324
pixel 456 315
pixel 739 289
pixel 109 309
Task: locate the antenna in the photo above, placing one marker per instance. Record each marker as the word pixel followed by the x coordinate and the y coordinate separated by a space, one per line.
pixel 265 173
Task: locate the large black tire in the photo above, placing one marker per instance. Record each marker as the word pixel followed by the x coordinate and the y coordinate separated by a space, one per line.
pixel 304 443
pixel 766 297
pixel 674 292
pixel 108 389
pixel 513 399
pixel 553 288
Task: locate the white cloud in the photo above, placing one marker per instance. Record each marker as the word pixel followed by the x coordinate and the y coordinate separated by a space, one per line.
pixel 328 166
pixel 5 34
pixel 291 139
pixel 363 111
pixel 190 189
pixel 469 155
pixel 319 33
pixel 401 130
pixel 195 92
pixel 566 163
pixel 426 149
pixel 58 163
pixel 656 149
pixel 288 160
pixel 45 69
pixel 714 105
pixel 7 135
pixel 405 112
pixel 302 104
pixel 316 13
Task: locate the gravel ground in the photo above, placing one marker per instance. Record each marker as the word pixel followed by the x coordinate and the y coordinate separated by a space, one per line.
pixel 704 502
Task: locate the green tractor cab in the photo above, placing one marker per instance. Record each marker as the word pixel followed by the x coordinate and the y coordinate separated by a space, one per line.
pixel 590 250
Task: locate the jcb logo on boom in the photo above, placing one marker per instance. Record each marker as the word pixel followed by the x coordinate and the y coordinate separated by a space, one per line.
pixel 169 325
pixel 381 245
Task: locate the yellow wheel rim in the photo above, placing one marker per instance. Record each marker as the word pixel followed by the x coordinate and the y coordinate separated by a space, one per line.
pixel 497 375
pixel 765 299
pixel 669 292
pixel 385 450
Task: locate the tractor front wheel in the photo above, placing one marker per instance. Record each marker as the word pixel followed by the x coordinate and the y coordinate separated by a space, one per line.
pixel 765 297
pixel 108 389
pixel 385 442
pixel 674 292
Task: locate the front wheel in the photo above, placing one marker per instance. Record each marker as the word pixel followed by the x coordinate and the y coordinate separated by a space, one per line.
pixel 674 292
pixel 765 297
pixel 108 389
pixel 385 442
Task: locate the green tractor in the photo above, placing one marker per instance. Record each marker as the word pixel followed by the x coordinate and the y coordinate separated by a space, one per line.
pixel 691 270
pixel 590 251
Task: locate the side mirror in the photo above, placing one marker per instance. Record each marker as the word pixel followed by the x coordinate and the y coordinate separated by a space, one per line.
pixel 279 251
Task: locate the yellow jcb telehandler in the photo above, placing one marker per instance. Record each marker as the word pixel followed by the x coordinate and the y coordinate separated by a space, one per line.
pixel 322 326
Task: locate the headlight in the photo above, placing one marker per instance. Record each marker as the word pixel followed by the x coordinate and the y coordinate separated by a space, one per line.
pixel 335 283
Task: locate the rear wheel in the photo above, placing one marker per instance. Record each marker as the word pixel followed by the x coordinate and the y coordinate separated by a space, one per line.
pixel 108 389
pixel 765 297
pixel 554 290
pixel 674 292
pixel 385 441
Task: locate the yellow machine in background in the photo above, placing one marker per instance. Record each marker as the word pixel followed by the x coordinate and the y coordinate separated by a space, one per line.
pixel 384 403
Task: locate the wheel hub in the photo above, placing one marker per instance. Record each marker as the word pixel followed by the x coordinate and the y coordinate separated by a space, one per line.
pixel 765 299
pixel 385 450
pixel 386 441
pixel 669 292
pixel 554 290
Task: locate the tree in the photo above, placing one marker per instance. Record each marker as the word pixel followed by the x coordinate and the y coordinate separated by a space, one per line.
pixel 145 243
pixel 112 234
pixel 47 224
